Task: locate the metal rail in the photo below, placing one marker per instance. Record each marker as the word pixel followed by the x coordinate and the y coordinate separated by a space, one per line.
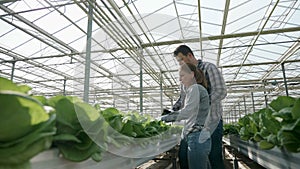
pixel 275 158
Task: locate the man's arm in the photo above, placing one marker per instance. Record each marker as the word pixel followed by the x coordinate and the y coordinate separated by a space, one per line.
pixel 217 94
pixel 180 101
pixel 177 104
pixel 218 87
pixel 190 108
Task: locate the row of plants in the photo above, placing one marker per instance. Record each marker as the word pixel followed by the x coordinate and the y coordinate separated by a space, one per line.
pixel 30 124
pixel 277 125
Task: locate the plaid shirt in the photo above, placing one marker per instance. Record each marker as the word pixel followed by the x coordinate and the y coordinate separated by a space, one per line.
pixel 217 92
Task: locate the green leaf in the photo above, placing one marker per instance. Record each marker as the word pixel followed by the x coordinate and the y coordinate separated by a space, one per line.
pixel 257 137
pixel 264 132
pixel 109 112
pixel 97 156
pixel 244 120
pixel 128 129
pixel 25 165
pixel 292 126
pixel 244 133
pixel 270 123
pixel 272 138
pixel 255 117
pixel 85 141
pixel 284 113
pixel 281 102
pixel 296 109
pixel 151 131
pixel 116 122
pixel 72 153
pixel 85 112
pixel 230 129
pixel 65 112
pixel 40 130
pixel 18 115
pixel 9 85
pixel 289 140
pixel 41 99
pixel 22 146
pixel 265 145
pixel 252 127
pixel 30 151
pixel 138 128
pixel 66 137
pixel 78 122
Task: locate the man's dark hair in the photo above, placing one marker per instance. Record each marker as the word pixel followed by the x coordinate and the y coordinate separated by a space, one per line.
pixel 183 49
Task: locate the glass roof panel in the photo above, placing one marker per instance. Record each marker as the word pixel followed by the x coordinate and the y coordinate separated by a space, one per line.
pixel 43 44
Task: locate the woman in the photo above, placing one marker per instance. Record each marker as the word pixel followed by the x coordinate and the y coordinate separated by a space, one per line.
pixel 193 149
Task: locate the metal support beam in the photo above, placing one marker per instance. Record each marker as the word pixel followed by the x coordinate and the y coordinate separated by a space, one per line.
pixel 141 79
pixel 265 94
pixel 218 37
pixel 252 98
pixel 12 71
pixel 64 91
pixel 161 92
pixel 284 79
pixel 245 107
pixel 239 110
pixel 88 54
pixel 200 28
pixel 224 24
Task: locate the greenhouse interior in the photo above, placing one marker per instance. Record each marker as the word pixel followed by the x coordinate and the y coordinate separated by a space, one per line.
pixel 84 83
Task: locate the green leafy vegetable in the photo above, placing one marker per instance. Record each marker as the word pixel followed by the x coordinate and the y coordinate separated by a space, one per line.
pixel 76 122
pixel 10 86
pixel 276 125
pixel 26 128
pixel 20 110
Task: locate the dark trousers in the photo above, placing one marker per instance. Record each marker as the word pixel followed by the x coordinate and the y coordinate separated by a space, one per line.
pixel 216 152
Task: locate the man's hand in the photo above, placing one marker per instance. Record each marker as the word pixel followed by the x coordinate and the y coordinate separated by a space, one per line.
pixel 204 135
pixel 168 118
pixel 171 117
pixel 166 111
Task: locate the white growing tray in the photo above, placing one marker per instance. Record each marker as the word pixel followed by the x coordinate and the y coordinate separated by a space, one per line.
pixel 131 157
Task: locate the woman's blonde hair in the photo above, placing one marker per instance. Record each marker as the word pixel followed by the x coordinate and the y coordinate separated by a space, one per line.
pixel 198 74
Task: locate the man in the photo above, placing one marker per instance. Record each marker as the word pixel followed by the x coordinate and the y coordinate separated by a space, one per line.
pixel 217 92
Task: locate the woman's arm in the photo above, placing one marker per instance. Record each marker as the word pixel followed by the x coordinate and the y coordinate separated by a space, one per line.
pixel 191 105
